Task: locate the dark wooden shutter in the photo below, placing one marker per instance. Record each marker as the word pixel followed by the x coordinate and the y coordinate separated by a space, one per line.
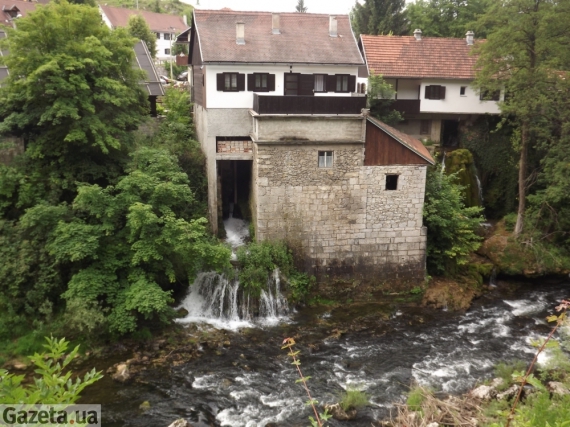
pixel 352 83
pixel 220 81
pixel 241 82
pixel 442 92
pixel 271 82
pixel 250 82
pixel 427 94
pixel 307 85
pixel 331 84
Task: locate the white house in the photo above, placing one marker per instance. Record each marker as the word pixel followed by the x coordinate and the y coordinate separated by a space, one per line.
pixel 290 147
pixel 433 79
pixel 165 26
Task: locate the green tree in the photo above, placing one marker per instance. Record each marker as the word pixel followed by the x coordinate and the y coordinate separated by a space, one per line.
pixel 51 385
pixel 379 17
pixel 301 8
pixel 72 94
pixel 380 100
pixel 451 226
pixel 447 18
pixel 138 28
pixel 529 43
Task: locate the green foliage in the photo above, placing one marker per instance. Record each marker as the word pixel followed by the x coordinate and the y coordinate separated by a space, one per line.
pixel 416 397
pixel 300 7
pixel 51 385
pixel 447 18
pixel 505 370
pixel 451 226
pixel 380 99
pixel 353 399
pixel 510 221
pixel 300 285
pixel 139 29
pixel 378 17
pixel 460 163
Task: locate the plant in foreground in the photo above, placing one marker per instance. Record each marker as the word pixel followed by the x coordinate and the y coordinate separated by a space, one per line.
pixel 320 418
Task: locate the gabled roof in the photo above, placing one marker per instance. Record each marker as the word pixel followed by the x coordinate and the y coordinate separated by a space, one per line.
pixel 430 57
pixel 15 7
pixel 406 140
pixel 158 22
pixel 152 83
pixel 304 38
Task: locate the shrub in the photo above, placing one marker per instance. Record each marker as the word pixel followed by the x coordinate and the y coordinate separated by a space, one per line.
pixel 415 399
pixel 353 399
pixel 510 221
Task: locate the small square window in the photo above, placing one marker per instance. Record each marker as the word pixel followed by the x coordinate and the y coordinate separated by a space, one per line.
pixel 166 36
pixel 325 159
pixel 230 82
pixel 167 51
pixel 462 90
pixel 392 182
pixel 260 82
pixel 158 36
pixel 342 83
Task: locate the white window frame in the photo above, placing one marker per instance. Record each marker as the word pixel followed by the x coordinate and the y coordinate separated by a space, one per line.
pixel 326 159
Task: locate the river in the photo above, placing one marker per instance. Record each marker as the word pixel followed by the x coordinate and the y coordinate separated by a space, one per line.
pixel 251 382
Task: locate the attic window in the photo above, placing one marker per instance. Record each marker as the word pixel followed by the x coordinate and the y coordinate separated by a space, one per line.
pixel 392 182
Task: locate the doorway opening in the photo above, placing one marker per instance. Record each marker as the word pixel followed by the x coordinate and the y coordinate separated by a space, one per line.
pixel 450 133
pixel 234 189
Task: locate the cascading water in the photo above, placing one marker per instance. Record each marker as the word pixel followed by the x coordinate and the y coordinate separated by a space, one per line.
pixel 219 300
pixel 443 163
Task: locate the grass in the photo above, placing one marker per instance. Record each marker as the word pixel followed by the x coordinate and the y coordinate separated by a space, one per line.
pixel 353 399
pixel 415 399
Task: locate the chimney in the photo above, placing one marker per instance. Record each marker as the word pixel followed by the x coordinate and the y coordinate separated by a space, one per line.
pixel 418 34
pixel 469 36
pixel 240 33
pixel 185 20
pixel 275 23
pixel 333 29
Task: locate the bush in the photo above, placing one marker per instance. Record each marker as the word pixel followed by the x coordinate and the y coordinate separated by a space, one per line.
pixel 415 399
pixel 505 370
pixel 353 399
pixel 510 221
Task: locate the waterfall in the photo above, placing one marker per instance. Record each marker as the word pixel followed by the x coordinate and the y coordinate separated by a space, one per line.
pixel 219 300
pixel 443 163
pixel 493 278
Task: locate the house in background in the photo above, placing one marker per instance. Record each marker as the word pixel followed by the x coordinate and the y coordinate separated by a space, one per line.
pixel 289 144
pixel 166 27
pixel 432 77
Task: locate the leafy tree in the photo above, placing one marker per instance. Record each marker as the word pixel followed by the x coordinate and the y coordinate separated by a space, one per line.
pixel 451 226
pixel 380 99
pixel 51 386
pixel 72 94
pixel 447 18
pixel 301 6
pixel 529 42
pixel 138 28
pixel 379 17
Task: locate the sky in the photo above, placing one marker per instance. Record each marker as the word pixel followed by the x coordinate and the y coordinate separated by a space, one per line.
pixel 314 6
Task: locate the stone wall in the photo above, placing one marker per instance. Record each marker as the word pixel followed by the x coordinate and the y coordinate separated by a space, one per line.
pixel 312 128
pixel 341 219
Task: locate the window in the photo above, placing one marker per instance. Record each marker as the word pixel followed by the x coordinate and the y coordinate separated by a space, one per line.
pixel 158 36
pixel 320 83
pixel 325 159
pixel 260 81
pixel 230 82
pixel 490 95
pixel 392 182
pixel 363 88
pixel 425 127
pixel 435 92
pixel 342 83
pixel 166 36
pixel 462 90
pixel 167 51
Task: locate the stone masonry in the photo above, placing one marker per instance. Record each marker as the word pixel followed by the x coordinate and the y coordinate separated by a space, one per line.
pixel 342 219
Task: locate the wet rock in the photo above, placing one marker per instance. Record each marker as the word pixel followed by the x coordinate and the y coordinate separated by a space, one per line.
pixel 497 382
pixel 226 382
pixel 508 393
pixel 483 392
pixel 122 373
pixel 19 366
pixel 180 423
pixel 340 414
pixel 556 387
pixel 145 406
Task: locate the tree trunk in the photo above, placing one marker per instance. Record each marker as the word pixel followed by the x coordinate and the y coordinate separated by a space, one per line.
pixel 522 179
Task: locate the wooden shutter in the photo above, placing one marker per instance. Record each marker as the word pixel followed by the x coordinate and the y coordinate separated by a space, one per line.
pixel 306 85
pixel 427 94
pixel 331 83
pixel 271 82
pixel 250 82
pixel 441 92
pixel 220 81
pixel 240 82
pixel 352 83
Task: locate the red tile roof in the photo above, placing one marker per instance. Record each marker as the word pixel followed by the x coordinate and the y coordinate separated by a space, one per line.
pixel 24 7
pixel 430 57
pixel 303 38
pixel 403 138
pixel 158 22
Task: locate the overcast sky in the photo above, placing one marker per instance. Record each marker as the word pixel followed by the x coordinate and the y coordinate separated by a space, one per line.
pixel 314 6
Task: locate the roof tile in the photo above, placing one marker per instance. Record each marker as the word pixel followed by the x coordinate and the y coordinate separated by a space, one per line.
pixel 158 22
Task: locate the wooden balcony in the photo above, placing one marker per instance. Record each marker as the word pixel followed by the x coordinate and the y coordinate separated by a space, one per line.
pixel 267 104
pixel 407 106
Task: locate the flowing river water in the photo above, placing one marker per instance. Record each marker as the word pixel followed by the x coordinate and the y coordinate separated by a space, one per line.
pixel 380 347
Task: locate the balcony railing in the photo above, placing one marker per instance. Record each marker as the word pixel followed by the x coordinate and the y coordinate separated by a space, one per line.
pixel 407 106
pixel 267 104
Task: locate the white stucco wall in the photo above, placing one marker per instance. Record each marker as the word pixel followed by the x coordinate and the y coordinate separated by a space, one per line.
pixel 244 99
pixel 161 45
pixel 454 102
